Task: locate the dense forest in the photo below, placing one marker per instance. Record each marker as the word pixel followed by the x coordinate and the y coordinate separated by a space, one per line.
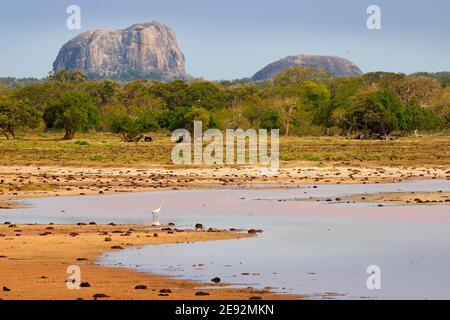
pixel 299 101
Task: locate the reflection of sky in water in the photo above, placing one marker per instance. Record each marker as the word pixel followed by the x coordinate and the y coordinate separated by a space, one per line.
pixel 307 247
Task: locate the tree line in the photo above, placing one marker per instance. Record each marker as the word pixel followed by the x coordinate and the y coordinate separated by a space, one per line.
pixel 298 101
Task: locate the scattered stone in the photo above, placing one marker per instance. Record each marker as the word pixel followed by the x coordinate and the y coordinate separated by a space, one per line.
pixel 201 293
pixel 215 280
pixel 165 291
pixel 108 239
pixel 255 298
pixel 141 287
pixel 85 285
pixel 116 247
pixel 100 295
pixel 5 289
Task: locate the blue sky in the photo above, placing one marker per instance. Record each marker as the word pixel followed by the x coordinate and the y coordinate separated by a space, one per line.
pixel 227 39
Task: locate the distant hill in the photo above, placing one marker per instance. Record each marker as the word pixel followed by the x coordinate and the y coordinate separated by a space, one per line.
pixel 337 67
pixel 443 77
pixel 18 82
pixel 146 50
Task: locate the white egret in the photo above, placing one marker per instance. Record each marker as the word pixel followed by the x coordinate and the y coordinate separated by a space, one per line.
pixel 155 214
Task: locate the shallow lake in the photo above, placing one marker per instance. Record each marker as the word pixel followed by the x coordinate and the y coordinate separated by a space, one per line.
pixel 308 247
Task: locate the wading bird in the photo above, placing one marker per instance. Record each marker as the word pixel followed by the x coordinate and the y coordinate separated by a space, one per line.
pixel 155 214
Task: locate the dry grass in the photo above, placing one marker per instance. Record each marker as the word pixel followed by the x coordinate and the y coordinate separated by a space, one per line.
pixel 103 150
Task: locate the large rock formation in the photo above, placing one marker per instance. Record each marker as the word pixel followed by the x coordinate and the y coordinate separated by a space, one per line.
pixel 338 67
pixel 147 49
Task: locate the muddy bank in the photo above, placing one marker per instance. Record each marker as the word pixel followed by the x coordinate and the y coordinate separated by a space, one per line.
pixel 34 261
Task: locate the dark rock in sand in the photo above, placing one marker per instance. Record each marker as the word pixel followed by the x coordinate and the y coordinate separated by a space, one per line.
pixel 165 291
pixel 140 287
pixel 215 280
pixel 201 293
pixel 85 285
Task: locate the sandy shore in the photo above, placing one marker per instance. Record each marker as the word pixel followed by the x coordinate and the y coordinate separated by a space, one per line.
pixel 427 198
pixel 34 261
pixel 30 181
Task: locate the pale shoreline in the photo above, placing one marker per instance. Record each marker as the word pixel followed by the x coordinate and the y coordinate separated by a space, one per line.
pixel 411 198
pixel 26 182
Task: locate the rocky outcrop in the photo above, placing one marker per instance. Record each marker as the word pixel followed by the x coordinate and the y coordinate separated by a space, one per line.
pixel 337 67
pixel 142 49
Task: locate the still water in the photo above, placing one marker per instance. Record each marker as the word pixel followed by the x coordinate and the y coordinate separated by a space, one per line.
pixel 308 247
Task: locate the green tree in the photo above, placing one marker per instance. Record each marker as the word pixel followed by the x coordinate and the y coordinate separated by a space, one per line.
pixel 373 113
pixel 205 95
pixel 420 118
pixel 72 112
pixel 15 114
pixel 197 114
pixel 270 119
pixel 173 119
pixel 128 127
pixel 64 76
